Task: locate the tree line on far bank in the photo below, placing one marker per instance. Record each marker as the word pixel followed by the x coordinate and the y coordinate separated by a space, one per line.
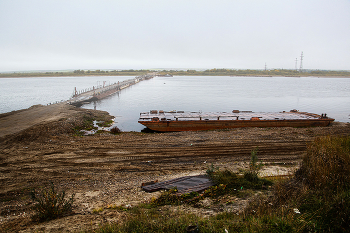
pixel 190 72
pixel 274 72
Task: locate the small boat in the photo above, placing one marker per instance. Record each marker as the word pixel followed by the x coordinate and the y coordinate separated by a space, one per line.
pixel 173 121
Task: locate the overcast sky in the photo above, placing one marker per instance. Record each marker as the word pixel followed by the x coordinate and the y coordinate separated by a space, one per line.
pixel 145 34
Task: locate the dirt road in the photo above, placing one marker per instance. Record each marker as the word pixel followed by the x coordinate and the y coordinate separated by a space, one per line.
pixel 108 169
pixel 16 121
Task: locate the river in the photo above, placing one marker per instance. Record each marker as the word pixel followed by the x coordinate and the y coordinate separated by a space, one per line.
pixel 187 93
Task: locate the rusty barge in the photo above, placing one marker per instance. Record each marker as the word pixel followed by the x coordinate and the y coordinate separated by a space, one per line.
pixel 173 121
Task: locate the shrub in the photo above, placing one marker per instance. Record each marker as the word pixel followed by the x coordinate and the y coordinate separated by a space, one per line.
pixel 50 203
pixel 326 171
pixel 211 170
pixel 319 191
pixel 327 164
pixel 115 130
pixel 254 167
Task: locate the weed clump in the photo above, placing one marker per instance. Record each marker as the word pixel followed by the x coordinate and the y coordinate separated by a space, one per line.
pixel 254 167
pixel 227 182
pixel 234 181
pixel 115 130
pixel 327 164
pixel 317 199
pixel 325 172
pixel 51 204
pixel 105 123
pixel 211 170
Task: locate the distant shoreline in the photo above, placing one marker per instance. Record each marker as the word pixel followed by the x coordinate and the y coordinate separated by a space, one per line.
pixel 210 72
pixel 192 75
pixel 132 75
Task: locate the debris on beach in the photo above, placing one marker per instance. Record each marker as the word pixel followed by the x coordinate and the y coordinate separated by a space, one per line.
pixel 186 184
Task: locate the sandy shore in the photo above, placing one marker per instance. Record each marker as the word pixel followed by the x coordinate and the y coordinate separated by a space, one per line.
pixel 37 146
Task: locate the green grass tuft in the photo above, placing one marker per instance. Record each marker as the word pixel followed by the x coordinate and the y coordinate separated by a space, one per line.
pixel 51 204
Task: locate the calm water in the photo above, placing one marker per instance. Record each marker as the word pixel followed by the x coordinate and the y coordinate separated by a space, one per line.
pixel 20 93
pixel 189 93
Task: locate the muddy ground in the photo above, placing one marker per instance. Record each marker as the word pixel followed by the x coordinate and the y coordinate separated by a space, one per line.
pixel 105 170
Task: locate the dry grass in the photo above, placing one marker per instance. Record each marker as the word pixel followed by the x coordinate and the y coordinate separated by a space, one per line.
pixel 316 199
pixel 327 164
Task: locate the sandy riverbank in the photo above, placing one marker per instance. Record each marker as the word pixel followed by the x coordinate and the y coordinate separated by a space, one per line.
pixel 37 145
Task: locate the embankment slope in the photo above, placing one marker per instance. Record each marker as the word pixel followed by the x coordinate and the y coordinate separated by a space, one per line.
pixel 108 169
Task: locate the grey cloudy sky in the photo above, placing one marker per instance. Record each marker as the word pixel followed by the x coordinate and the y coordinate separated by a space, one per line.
pixel 142 34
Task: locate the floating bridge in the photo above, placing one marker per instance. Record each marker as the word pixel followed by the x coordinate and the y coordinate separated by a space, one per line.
pixel 102 91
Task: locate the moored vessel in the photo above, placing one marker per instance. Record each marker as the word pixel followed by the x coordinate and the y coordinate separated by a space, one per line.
pixel 172 121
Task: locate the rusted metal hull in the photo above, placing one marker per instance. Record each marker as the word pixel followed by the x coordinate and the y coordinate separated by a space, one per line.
pixel 172 126
pixel 180 121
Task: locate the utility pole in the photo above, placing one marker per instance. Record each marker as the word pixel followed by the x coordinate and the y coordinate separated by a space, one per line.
pixel 265 66
pixel 301 62
pixel 296 64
